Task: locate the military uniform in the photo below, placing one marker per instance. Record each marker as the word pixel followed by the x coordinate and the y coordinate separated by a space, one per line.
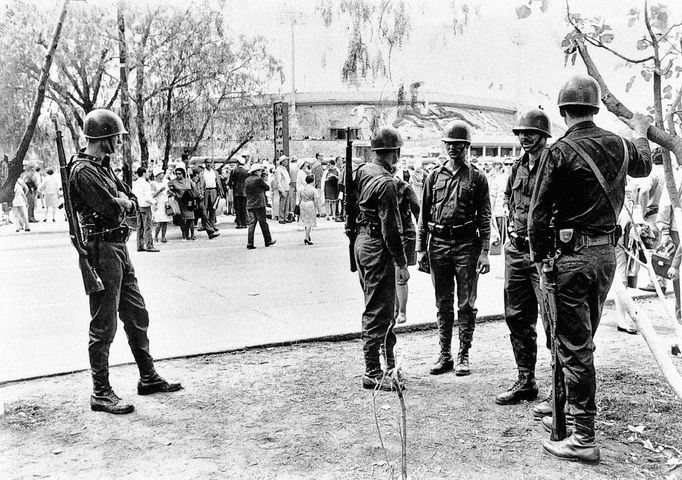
pixel 378 248
pixel 568 191
pixel 96 194
pixel 454 227
pixel 94 188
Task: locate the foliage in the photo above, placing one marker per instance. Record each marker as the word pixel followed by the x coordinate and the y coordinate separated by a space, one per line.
pixel 376 30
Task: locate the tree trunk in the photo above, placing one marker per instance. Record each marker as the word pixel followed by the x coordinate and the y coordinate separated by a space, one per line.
pixel 167 149
pixel 125 97
pixel 15 166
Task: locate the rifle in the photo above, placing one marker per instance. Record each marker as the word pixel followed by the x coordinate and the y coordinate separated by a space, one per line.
pixel 350 203
pixel 548 287
pixel 91 280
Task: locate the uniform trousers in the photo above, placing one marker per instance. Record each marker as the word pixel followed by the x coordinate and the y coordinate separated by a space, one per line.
pixel 376 270
pixel 455 261
pixel 121 297
pixel 583 279
pixel 522 296
pixel 240 210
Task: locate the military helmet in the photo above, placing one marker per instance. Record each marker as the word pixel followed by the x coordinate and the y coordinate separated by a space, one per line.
pixel 101 123
pixel 386 138
pixel 457 131
pixel 534 120
pixel 580 90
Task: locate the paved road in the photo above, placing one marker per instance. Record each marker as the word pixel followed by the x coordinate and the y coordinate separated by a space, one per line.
pixel 203 296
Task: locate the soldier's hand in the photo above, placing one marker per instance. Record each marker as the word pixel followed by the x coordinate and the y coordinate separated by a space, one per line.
pixel 673 273
pixel 639 123
pixel 403 275
pixel 483 265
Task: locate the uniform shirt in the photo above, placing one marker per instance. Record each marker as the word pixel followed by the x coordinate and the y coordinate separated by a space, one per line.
pixel 454 198
pixel 568 191
pixel 518 192
pixel 255 188
pixel 94 189
pixel 378 205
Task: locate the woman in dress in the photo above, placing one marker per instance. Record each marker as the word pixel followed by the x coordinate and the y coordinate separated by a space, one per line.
pixel 183 190
pixel 310 207
pixel 159 213
pixel 331 191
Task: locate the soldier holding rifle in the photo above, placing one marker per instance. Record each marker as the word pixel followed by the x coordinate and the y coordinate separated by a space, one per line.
pixel 572 230
pixel 103 202
pixel 521 279
pixel 378 249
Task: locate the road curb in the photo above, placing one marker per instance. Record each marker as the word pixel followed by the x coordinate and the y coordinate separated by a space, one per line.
pixel 341 337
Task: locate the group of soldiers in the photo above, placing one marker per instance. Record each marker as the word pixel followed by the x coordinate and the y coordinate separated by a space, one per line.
pixel 563 202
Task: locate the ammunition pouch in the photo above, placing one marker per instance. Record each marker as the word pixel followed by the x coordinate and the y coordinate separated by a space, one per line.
pixel 452 232
pixel 570 241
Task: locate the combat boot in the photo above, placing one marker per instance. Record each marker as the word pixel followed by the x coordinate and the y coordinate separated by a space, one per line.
pixel 152 382
pixel 524 388
pixel 383 382
pixel 443 365
pixel 543 409
pixel 462 367
pixel 547 424
pixel 580 446
pixel 107 401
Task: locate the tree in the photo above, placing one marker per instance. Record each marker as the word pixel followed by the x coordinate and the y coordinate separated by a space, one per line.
pixel 15 167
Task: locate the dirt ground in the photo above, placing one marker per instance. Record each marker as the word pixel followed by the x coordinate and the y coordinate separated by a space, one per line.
pixel 299 412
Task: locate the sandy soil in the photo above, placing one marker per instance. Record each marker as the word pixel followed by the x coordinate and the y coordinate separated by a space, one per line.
pixel 299 412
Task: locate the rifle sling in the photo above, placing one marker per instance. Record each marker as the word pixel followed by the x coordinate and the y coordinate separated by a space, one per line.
pixel 610 191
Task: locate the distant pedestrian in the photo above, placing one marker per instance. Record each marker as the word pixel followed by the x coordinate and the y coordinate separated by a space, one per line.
pixel 160 209
pixel 182 187
pixel 19 206
pixel 50 188
pixel 255 188
pixel 282 182
pixel 408 205
pixel 143 191
pixel 236 183
pixel 310 207
pixel 331 190
pixel 32 181
pixel 213 193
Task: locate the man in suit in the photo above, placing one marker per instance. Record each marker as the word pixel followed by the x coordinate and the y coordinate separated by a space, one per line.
pixel 237 181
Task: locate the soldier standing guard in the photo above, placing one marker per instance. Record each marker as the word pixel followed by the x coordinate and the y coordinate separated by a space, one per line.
pixel 102 202
pixel 580 190
pixel 454 237
pixel 521 279
pixel 378 249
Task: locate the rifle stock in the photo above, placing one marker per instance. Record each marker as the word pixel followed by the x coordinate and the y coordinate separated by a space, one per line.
pixel 350 203
pixel 548 286
pixel 91 280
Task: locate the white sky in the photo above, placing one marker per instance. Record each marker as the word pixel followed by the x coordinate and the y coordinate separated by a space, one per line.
pixel 498 56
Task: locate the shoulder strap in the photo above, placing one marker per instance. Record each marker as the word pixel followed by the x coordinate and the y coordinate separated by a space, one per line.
pixel 609 190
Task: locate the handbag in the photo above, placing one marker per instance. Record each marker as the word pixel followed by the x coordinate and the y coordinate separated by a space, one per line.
pixel 297 209
pixel 172 206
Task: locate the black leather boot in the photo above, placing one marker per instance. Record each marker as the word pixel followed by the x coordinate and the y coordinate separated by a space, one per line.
pixel 462 367
pixel 383 381
pixel 524 388
pixel 444 364
pixel 580 446
pixel 547 424
pixel 543 409
pixel 107 401
pixel 152 382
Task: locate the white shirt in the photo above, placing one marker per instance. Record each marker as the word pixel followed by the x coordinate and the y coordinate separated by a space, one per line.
pixel 51 185
pixel 283 178
pixel 143 191
pixel 210 178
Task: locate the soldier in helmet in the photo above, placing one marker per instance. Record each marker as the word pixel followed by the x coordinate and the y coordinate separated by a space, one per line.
pixel 103 202
pixel 378 247
pixel 575 204
pixel 454 237
pixel 521 279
